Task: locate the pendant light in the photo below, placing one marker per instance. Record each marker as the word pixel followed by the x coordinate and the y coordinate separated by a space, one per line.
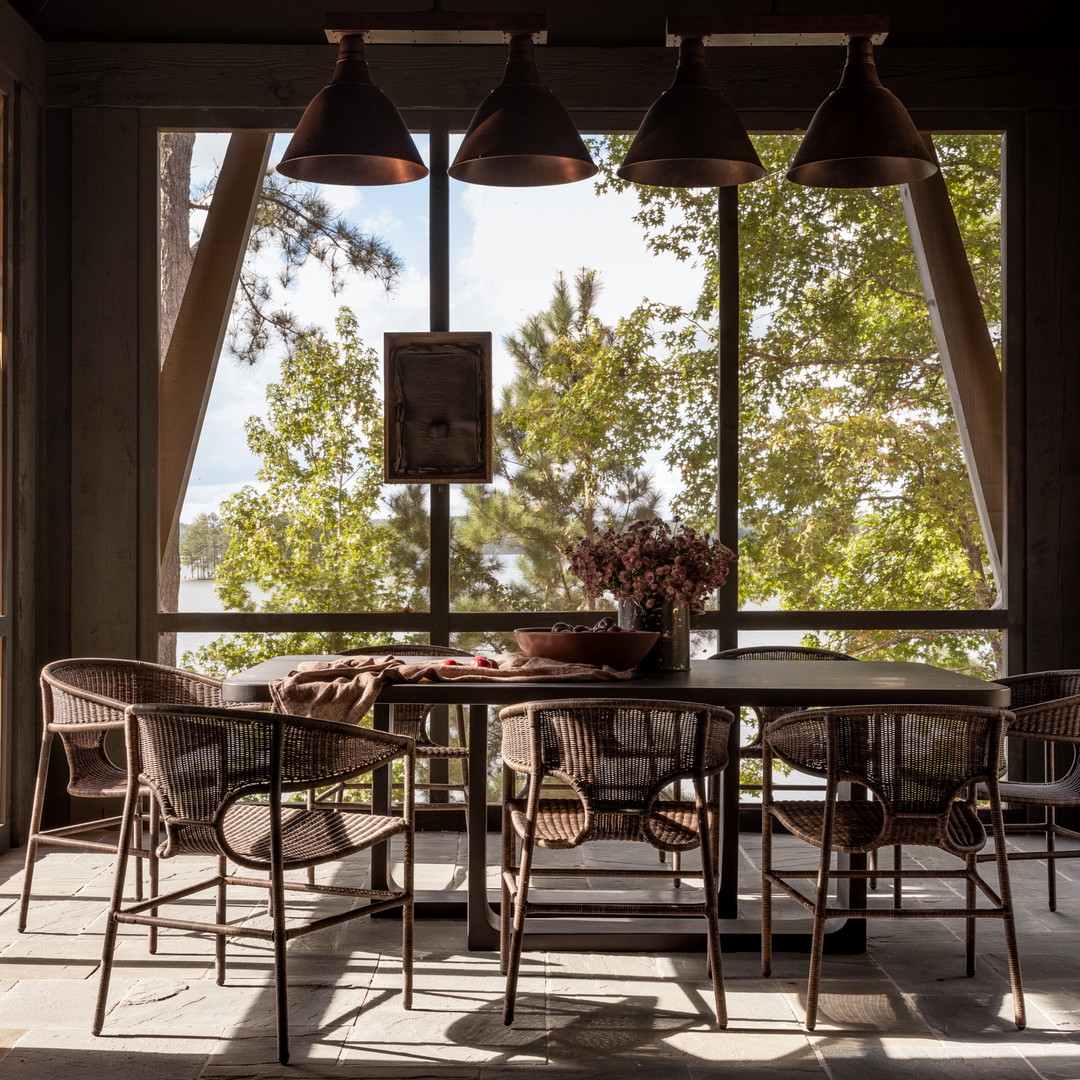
pixel 691 136
pixel 521 135
pixel 861 136
pixel 351 133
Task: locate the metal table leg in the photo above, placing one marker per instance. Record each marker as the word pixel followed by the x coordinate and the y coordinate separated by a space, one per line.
pixel 482 927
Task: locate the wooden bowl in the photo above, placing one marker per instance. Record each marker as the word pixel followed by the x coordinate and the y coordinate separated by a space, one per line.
pixel 620 650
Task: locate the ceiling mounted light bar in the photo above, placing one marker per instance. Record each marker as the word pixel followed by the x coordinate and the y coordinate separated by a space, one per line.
pixel 435 27
pixel 520 136
pixel 742 31
pixel 861 135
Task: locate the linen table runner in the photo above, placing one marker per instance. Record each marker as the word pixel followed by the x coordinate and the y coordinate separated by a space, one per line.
pixel 345 689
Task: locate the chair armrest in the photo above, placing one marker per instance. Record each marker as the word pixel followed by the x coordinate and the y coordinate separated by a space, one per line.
pixel 1050 721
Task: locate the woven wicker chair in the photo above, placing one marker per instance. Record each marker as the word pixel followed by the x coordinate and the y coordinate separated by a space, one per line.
pixel 201 765
pixel 766 714
pixel 922 763
pixel 412 720
pixel 1046 705
pixel 83 700
pixel 618 756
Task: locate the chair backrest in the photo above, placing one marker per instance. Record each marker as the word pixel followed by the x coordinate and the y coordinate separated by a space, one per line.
pixel 917 759
pixel 1046 704
pixel 394 648
pixel 198 761
pixel 615 753
pixel 96 690
pixel 766 714
pixel 781 652
pixel 91 690
pixel 1038 687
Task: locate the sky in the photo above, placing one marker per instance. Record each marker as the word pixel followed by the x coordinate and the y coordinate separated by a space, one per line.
pixel 507 246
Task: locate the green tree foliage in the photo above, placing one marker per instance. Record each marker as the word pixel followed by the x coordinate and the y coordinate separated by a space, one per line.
pixel 853 486
pixel 203 545
pixel 308 534
pixel 295 225
pixel 572 433
pixel 476 582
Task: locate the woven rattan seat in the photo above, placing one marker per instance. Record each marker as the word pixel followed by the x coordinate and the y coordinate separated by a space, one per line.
pixel 619 757
pixel 412 720
pixel 859 826
pixel 922 764
pixel 83 699
pixel 204 768
pixel 560 824
pixel 1046 707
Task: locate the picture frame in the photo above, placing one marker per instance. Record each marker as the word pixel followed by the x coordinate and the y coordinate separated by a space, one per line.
pixel 437 414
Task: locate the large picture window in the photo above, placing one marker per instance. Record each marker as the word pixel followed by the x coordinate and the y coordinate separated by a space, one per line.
pixel 603 302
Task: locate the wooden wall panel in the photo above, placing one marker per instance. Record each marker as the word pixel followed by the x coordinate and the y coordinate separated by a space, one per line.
pixel 22 75
pixel 104 382
pixel 457 77
pixel 1052 411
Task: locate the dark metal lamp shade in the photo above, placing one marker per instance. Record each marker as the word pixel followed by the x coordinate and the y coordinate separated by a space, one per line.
pixel 691 136
pixel 861 136
pixel 521 136
pixel 351 133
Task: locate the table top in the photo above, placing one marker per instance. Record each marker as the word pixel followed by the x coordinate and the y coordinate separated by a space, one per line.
pixel 717 682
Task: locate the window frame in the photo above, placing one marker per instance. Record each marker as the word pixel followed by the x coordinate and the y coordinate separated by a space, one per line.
pixel 440 623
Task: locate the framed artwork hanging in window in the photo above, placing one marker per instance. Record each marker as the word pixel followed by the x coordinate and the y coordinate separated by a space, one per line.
pixel 437 408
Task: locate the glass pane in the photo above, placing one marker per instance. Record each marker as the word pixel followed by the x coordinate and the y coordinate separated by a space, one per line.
pixel 854 491
pixel 584 362
pixel 285 509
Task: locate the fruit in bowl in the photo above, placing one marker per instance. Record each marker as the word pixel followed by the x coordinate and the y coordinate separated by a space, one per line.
pixel 606 644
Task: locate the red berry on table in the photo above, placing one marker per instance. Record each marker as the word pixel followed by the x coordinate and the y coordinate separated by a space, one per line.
pixel 482 661
pixel 449 661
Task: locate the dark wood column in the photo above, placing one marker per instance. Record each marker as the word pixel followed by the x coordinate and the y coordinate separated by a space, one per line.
pixel 1052 390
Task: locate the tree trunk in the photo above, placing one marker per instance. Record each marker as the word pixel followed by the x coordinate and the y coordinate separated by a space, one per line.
pixel 176 259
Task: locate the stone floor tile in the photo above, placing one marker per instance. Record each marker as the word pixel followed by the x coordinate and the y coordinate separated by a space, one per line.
pixel 858 1007
pixel 54 1055
pixel 924 1063
pixel 579 1015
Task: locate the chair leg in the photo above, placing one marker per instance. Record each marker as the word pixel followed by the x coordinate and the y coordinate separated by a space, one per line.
pixel 408 913
pixel 131 810
pixel 766 894
pixel 710 884
pixel 137 845
pixel 898 883
pixel 1051 863
pixel 821 902
pixel 153 868
pixel 281 984
pixel 35 827
pixel 969 929
pixel 506 900
pixel 517 936
pixel 1005 892
pixel 221 914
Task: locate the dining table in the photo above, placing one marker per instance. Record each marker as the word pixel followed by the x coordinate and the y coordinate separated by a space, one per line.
pixel 730 683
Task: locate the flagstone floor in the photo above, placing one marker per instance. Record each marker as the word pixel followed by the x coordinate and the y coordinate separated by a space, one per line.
pixel 903 1009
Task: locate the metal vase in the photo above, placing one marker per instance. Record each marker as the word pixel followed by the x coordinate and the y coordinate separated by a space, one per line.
pixel 672 621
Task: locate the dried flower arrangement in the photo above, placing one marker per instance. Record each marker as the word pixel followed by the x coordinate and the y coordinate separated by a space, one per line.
pixel 652 563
